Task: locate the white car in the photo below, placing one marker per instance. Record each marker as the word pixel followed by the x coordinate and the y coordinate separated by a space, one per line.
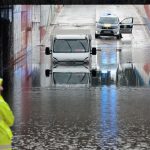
pixel 109 25
pixel 65 48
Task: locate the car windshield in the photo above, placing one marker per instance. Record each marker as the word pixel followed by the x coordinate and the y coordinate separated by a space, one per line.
pixel 109 20
pixel 70 78
pixel 71 46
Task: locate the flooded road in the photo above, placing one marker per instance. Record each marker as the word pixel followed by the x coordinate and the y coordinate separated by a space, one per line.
pixel 74 110
pixel 104 117
pixel 84 114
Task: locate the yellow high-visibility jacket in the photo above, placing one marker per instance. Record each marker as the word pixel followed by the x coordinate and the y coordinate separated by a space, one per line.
pixel 6 120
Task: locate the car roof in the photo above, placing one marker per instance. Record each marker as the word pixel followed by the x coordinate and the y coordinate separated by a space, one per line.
pixel 109 15
pixel 71 36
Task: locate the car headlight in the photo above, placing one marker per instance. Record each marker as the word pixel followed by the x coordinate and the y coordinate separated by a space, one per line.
pixel 98 26
pixel 114 27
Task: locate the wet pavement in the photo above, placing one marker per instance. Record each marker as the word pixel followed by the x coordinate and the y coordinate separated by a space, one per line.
pixel 109 111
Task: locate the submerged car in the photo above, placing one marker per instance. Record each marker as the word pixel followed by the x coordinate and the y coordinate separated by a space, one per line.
pixel 74 48
pixel 109 25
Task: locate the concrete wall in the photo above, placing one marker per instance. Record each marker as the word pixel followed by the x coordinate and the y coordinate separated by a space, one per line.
pixel 147 10
pixel 143 70
pixel 30 27
pixel 22 33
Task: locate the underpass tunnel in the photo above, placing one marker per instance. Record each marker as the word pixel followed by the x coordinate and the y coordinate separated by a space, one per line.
pixel 44 112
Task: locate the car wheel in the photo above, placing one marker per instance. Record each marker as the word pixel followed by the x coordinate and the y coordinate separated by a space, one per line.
pixel 96 35
pixel 47 72
pixel 118 37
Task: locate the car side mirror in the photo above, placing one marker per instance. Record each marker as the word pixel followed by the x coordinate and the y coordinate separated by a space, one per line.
pixel 48 72
pixel 48 51
pixel 93 51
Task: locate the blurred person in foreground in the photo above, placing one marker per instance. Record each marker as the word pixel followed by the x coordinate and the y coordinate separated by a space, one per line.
pixel 6 121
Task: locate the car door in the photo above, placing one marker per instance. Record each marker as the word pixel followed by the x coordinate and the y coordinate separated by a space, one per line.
pixel 126 25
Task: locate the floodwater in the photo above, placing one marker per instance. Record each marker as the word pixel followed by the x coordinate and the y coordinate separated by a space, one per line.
pixel 104 117
pixel 78 111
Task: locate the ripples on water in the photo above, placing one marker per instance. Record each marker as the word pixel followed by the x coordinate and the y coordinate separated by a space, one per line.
pixel 106 117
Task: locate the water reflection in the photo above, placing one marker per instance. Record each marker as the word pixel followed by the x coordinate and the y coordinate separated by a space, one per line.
pixel 133 74
pixel 142 73
pixel 126 75
pixel 75 75
pixel 118 67
pixel 108 115
pixel 35 75
pixel 108 63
